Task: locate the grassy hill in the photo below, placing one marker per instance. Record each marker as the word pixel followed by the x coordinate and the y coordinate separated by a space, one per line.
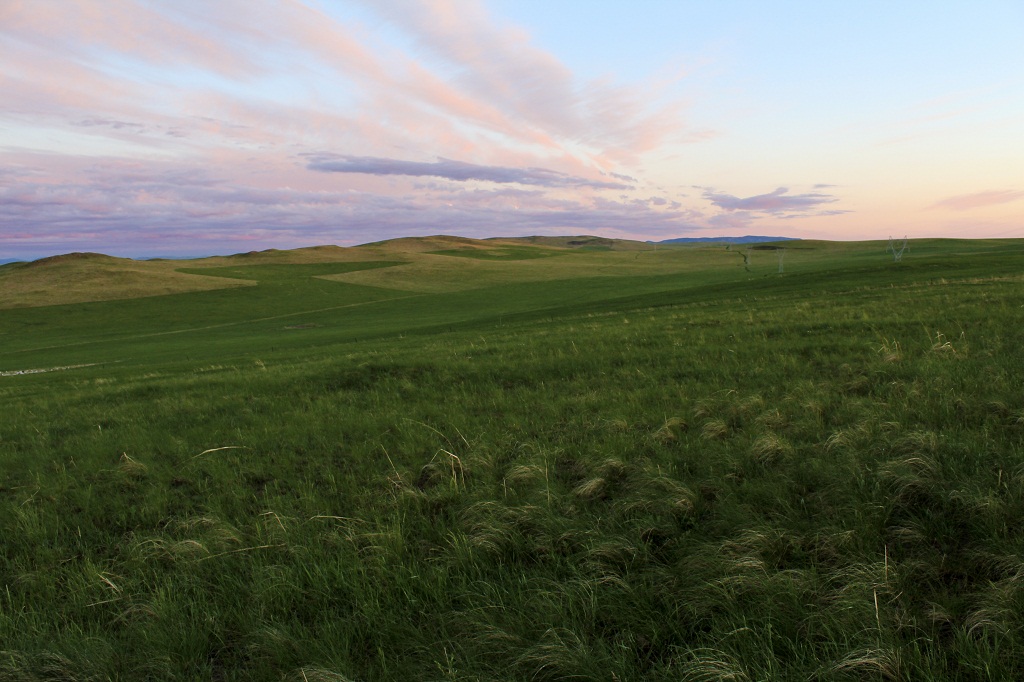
pixel 440 458
pixel 81 277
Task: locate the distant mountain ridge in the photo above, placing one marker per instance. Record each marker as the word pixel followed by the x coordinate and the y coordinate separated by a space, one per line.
pixel 748 239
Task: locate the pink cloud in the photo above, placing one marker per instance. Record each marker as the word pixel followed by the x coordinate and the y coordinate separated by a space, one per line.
pixel 515 92
pixel 498 65
pixel 501 66
pixel 79 27
pixel 966 202
pixel 127 122
pixel 137 209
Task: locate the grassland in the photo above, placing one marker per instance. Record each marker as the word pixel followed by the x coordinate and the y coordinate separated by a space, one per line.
pixel 519 460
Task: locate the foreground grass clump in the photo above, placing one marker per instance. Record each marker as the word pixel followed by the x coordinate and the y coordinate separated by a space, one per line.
pixel 806 477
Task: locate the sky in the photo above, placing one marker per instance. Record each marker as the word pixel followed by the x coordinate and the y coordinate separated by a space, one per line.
pixel 156 128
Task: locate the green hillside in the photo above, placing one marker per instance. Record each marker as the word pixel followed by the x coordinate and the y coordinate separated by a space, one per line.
pixel 518 459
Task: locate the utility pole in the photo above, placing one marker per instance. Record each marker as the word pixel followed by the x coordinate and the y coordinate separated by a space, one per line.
pixel 897 249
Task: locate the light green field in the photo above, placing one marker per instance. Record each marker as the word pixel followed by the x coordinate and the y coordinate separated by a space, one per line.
pixel 448 459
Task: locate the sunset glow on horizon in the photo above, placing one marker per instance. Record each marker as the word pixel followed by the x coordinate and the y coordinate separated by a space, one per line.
pixel 191 128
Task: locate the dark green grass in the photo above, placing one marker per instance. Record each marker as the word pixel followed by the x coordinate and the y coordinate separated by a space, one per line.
pixel 813 476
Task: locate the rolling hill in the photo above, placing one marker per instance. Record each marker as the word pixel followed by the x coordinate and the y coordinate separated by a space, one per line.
pixel 442 458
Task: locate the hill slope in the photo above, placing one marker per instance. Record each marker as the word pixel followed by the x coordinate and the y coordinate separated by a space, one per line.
pixel 706 472
pixel 82 277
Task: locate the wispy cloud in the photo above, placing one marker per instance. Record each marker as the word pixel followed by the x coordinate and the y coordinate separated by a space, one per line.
pixel 500 65
pixel 116 105
pixel 777 203
pixel 92 201
pixel 454 170
pixel 136 122
pixel 966 202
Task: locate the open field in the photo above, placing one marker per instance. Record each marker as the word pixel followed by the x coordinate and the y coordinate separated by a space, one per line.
pixel 448 459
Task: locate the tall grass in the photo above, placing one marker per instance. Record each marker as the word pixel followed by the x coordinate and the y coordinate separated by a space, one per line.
pixel 803 477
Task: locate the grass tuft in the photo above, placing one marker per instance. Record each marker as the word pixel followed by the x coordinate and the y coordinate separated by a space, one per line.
pixel 831 504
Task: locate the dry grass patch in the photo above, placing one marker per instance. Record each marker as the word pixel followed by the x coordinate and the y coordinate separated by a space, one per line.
pixel 81 278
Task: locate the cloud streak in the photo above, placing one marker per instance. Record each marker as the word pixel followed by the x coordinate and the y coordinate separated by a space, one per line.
pixel 966 202
pixel 779 202
pixel 500 65
pixel 156 209
pixel 134 123
pixel 116 105
pixel 454 170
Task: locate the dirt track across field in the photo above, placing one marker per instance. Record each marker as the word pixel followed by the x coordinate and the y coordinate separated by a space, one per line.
pixel 17 372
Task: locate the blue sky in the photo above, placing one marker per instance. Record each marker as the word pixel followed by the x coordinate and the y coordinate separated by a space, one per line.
pixel 150 128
